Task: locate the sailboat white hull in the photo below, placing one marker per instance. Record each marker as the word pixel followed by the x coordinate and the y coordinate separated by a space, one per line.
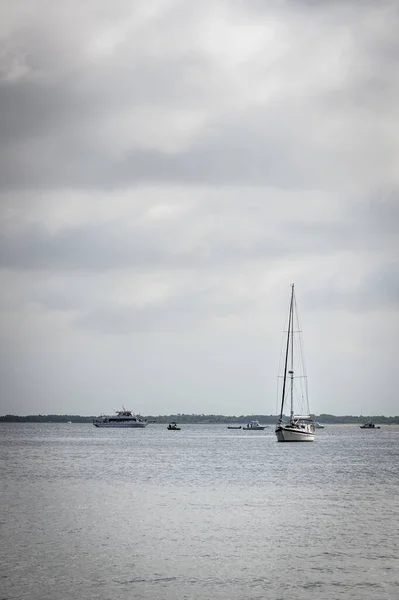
pixel 289 434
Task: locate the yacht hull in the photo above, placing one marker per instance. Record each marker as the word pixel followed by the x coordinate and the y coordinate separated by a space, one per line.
pixel 133 425
pixel 287 434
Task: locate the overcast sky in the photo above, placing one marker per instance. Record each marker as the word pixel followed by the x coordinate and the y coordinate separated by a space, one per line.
pixel 167 169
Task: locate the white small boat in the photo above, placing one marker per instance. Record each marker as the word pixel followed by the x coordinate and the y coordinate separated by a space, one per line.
pixel 123 418
pixel 318 425
pixel 300 427
pixel 254 426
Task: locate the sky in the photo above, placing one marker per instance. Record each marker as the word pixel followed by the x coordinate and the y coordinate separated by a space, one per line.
pixel 167 169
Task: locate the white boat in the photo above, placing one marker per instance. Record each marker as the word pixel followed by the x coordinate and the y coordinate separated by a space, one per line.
pixel 254 426
pixel 318 425
pixel 300 427
pixel 122 418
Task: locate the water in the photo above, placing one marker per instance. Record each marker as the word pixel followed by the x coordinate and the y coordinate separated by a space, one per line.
pixel 200 514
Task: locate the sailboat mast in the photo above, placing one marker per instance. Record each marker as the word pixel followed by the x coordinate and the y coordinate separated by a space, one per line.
pixel 286 355
pixel 292 356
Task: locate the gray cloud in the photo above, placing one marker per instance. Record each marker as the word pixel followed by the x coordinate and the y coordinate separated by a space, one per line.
pixel 194 309
pixel 115 245
pixel 378 290
pixel 52 117
pixel 192 241
pixel 251 148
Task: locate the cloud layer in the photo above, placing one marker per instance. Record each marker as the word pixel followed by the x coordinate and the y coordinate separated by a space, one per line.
pixel 167 169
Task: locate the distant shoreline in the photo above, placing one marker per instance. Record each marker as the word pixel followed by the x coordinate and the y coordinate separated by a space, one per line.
pixel 325 419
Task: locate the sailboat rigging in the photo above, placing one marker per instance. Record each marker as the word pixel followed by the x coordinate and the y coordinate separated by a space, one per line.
pixel 300 428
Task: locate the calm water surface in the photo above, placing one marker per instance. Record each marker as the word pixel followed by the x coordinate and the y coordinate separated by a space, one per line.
pixel 203 513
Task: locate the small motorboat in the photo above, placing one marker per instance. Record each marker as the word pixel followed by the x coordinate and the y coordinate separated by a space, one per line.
pixel 233 427
pixel 254 426
pixel 369 425
pixel 173 427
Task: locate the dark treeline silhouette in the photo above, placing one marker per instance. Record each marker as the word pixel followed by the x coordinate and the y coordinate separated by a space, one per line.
pixel 205 419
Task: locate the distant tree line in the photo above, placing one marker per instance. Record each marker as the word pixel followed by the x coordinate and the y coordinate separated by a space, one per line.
pixel 45 419
pixel 204 419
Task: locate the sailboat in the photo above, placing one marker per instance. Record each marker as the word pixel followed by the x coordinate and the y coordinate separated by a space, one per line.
pixel 300 427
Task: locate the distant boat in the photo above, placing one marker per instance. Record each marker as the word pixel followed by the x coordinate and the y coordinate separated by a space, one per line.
pixel 122 418
pixel 300 428
pixel 233 426
pixel 254 426
pixel 369 425
pixel 318 425
pixel 173 426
